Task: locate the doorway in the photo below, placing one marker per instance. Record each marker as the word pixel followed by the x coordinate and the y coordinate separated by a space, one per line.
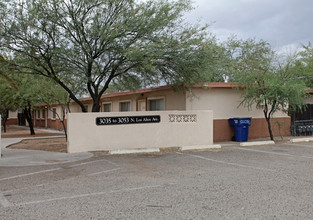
pixel 141 105
pixel 21 119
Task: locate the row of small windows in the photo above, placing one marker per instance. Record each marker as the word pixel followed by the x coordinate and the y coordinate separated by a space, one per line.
pixel 154 105
pixel 42 113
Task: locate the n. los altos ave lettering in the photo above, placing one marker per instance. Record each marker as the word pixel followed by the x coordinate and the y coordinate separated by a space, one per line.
pixel 128 120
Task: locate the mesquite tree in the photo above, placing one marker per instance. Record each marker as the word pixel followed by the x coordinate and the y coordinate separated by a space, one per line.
pixel 7 88
pixel 95 43
pixel 266 82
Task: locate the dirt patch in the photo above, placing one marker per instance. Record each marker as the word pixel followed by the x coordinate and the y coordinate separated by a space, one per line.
pixel 21 132
pixel 46 144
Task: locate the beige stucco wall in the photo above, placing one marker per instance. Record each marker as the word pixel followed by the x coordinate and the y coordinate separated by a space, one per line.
pixel 75 108
pixel 58 111
pixel 13 114
pixel 84 135
pixel 50 112
pixel 224 102
pixel 173 100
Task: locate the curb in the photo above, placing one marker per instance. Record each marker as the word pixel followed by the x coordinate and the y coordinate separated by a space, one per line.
pixel 201 147
pixel 296 140
pixel 157 150
pixel 134 151
pixel 256 143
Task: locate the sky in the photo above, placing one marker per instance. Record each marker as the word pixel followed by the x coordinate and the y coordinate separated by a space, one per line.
pixel 285 24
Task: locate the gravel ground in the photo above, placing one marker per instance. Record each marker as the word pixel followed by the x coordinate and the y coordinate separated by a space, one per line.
pixel 54 145
pixel 49 144
pixel 22 131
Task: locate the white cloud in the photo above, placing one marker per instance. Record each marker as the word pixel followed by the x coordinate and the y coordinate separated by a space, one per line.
pixel 281 22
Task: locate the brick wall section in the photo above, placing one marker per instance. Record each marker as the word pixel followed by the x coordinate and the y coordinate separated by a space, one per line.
pixel 55 124
pixel 12 121
pixel 259 128
pixel 40 123
pixel 222 131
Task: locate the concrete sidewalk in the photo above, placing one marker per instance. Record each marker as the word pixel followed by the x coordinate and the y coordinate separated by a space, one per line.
pixel 267 141
pixel 19 157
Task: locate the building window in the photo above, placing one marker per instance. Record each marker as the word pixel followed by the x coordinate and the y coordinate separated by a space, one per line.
pixel 54 113
pixel 124 106
pixel 43 113
pixel 38 114
pixel 156 104
pixel 107 107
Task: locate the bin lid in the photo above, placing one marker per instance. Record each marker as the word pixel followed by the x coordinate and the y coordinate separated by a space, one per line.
pixel 240 121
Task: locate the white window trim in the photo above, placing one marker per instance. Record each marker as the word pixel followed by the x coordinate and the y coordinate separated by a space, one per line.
pixel 155 98
pixel 110 102
pixel 122 101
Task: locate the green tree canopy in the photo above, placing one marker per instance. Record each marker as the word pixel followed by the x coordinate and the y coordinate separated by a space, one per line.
pixel 267 82
pixel 6 102
pixel 98 42
pixel 26 92
pixel 8 87
pixel 304 64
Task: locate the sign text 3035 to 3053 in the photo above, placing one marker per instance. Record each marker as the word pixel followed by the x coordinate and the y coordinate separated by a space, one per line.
pixel 128 120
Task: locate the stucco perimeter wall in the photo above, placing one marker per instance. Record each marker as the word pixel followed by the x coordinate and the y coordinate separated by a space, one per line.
pixel 175 129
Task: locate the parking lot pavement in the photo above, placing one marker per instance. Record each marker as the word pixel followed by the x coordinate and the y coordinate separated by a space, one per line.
pixel 262 182
pixel 20 157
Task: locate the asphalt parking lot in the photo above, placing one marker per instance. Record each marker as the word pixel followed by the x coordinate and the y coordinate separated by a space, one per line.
pixel 263 182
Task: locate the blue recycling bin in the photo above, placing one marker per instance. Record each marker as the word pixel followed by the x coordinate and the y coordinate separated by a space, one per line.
pixel 241 127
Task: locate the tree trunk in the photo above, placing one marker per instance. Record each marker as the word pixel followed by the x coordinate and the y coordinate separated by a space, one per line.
pixel 267 115
pixel 4 118
pixel 64 128
pixel 62 120
pixel 71 94
pixel 268 120
pixel 28 115
pixel 68 106
pixel 96 105
pixel 63 123
pixel 4 126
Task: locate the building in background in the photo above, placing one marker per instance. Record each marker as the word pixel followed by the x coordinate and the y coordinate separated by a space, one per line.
pixel 222 98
